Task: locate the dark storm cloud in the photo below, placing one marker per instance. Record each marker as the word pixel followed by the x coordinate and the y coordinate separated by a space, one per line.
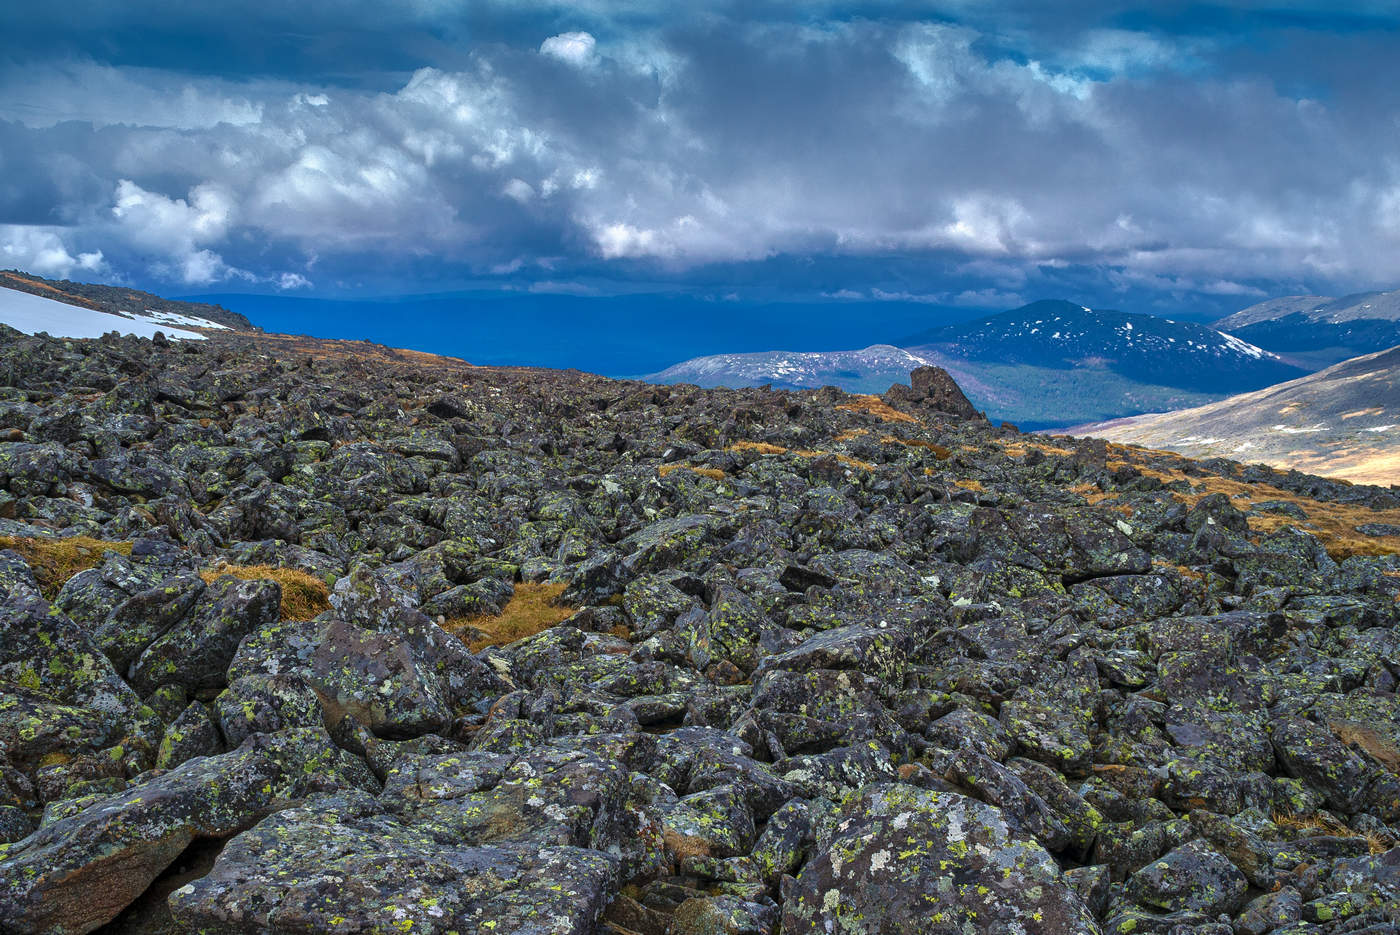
pixel 1198 151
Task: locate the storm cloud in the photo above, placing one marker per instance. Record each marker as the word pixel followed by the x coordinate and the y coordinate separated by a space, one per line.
pixel 1185 154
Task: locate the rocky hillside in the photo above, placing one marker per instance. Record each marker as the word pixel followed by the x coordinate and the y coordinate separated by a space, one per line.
pixel 306 636
pixel 119 300
pixel 1340 422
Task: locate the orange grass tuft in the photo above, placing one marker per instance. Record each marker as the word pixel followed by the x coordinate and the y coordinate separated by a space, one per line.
pixel 532 609
pixel 54 561
pixel 762 448
pixel 876 407
pixel 303 595
pixel 665 470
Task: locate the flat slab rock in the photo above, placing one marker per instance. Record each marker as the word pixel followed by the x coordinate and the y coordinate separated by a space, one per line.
pixel 341 864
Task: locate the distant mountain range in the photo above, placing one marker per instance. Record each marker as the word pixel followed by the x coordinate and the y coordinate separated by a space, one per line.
pixel 1044 365
pixel 1144 348
pixel 1315 331
pixel 1342 422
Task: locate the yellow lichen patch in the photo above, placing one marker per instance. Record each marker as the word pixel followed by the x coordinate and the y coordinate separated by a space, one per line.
pixel 762 448
pixel 878 408
pixel 532 609
pixel 666 470
pixel 54 561
pixel 303 595
pixel 939 451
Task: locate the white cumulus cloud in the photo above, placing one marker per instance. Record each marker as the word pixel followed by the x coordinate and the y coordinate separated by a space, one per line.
pixel 576 48
pixel 42 250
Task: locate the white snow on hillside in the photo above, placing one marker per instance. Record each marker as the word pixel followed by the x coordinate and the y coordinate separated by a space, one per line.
pixel 175 318
pixel 32 314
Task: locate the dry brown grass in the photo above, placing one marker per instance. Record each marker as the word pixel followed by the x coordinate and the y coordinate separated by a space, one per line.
pixel 1322 825
pixel 1090 492
pixel 532 609
pixel 665 470
pixel 296 346
pixel 940 452
pixel 1183 570
pixel 682 846
pixel 1333 523
pixel 54 561
pixel 1020 447
pixel 876 407
pixel 303 595
pixel 968 483
pixel 25 283
pixel 844 459
pixel 762 448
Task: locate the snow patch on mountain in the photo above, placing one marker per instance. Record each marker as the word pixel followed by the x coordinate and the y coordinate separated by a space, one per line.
pixel 32 314
pixel 175 318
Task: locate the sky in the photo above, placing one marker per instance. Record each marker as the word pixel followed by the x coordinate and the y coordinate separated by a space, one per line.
pixel 1169 157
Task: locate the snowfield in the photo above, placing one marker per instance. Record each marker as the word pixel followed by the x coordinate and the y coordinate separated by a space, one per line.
pixel 32 314
pixel 175 318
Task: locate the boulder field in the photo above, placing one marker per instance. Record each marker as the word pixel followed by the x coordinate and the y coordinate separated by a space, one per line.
pixel 302 636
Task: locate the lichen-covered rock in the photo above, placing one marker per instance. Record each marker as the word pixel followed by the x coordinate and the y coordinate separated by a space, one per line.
pixel 197 651
pixel 78 872
pixel 882 653
pixel 265 704
pixel 1194 876
pixel 458 842
pixel 826 665
pixel 289 874
pixel 375 677
pixel 132 625
pixel 193 733
pixel 43 651
pixel 904 860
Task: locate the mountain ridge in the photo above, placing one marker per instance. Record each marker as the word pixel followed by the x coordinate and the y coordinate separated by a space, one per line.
pixel 1343 421
pixel 119 300
pixel 1039 366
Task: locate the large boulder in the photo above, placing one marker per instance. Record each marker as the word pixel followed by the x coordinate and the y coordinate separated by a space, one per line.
pixel 471 842
pixel 901 859
pixel 197 651
pixel 79 871
pixel 933 388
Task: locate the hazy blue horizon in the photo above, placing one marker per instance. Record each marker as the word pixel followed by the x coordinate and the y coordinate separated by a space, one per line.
pixel 618 336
